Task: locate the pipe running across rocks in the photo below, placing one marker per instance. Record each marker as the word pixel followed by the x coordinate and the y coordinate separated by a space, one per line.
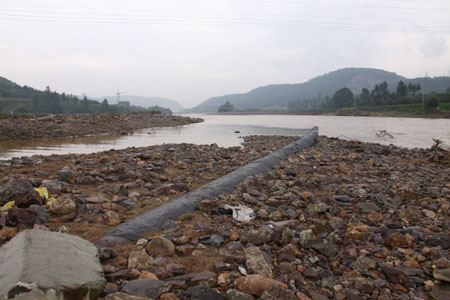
pixel 152 220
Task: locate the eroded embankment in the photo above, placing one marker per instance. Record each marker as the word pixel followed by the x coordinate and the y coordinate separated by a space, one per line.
pixel 52 126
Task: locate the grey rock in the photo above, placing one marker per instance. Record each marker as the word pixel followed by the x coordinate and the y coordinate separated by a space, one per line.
pixel 214 240
pixel 53 186
pixel 439 239
pixel 233 294
pixel 442 274
pixel 358 266
pixel 367 207
pixel 146 288
pixel 129 203
pixel 439 294
pixel 66 175
pixel 343 198
pixel 323 246
pixel 255 262
pixel 21 191
pixel 202 292
pixel 259 236
pixel 364 285
pixel 42 215
pixel 140 260
pixel 328 283
pixel 395 275
pixel 311 273
pixel 123 296
pixel 305 236
pixel 317 296
pixel 276 292
pixel 22 273
pixel 317 208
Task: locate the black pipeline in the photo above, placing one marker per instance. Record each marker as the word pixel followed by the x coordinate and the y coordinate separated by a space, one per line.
pixel 152 220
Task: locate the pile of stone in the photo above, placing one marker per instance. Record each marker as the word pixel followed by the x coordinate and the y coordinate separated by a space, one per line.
pixel 90 193
pixel 341 220
pixel 52 126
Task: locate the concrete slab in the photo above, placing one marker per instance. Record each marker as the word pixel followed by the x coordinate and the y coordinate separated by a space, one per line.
pixel 51 265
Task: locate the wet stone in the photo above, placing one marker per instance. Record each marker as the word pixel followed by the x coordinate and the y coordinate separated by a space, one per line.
pixel 146 288
pixel 233 294
pixel 214 240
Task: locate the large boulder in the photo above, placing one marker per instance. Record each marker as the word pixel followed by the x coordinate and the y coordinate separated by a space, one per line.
pixel 21 191
pixel 38 264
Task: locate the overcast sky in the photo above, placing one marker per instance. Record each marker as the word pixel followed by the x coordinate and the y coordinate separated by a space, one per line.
pixel 192 50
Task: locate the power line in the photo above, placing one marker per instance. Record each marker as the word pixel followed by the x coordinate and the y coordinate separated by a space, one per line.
pixel 179 16
pixel 279 3
pixel 305 25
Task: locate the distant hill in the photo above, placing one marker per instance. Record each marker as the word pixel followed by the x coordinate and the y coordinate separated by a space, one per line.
pixel 278 96
pixel 145 101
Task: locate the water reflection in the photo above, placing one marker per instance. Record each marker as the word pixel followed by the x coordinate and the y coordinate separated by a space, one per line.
pixel 220 129
pixel 224 135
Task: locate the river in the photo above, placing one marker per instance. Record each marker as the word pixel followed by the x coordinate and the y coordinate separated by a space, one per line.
pixel 226 130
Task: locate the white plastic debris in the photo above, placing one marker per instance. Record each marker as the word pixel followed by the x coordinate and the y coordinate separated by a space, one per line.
pixel 241 213
pixel 441 145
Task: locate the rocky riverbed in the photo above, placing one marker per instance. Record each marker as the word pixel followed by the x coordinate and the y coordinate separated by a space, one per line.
pixel 96 191
pixel 340 220
pixel 52 126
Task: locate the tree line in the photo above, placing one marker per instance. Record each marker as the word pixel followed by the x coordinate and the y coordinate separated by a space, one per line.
pixel 22 100
pixel 378 96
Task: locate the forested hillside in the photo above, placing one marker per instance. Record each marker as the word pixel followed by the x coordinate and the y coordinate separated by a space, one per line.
pixel 314 92
pixel 15 99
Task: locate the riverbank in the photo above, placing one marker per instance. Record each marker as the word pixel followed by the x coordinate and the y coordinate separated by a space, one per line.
pixel 100 190
pixel 54 126
pixel 340 219
pixel 347 112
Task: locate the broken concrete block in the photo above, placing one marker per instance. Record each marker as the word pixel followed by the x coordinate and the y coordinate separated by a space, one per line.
pixel 38 264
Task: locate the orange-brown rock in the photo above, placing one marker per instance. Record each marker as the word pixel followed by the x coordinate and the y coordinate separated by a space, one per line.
pixel 255 284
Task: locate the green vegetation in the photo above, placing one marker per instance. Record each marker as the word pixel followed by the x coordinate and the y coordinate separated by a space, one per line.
pixel 15 99
pixel 406 99
pixel 313 94
pixel 227 107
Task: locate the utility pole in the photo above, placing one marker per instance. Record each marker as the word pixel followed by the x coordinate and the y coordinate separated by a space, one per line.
pixel 423 93
pixel 118 96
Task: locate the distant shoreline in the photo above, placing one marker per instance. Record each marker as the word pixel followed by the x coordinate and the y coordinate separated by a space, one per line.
pixel 390 114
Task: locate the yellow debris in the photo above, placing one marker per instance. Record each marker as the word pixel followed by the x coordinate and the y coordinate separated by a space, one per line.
pixel 43 192
pixel 8 205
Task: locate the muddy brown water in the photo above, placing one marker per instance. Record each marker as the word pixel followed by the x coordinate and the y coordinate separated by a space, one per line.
pixel 226 130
